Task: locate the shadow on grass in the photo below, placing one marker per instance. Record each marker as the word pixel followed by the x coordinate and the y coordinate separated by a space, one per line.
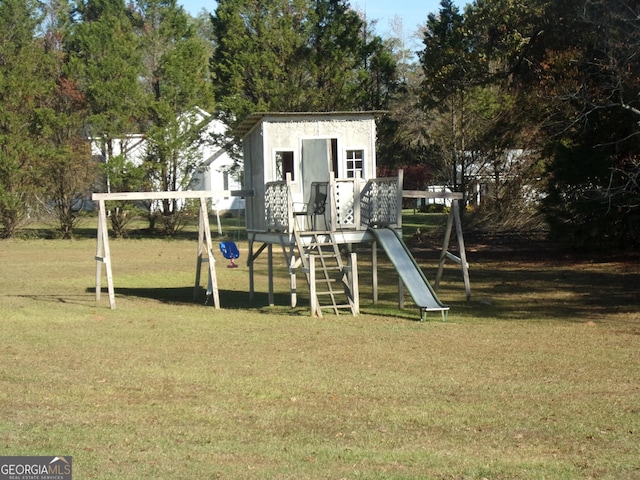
pixel 510 286
pixel 561 292
pixel 229 299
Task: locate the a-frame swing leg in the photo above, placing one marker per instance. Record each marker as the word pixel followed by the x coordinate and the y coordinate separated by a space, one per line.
pixel 454 217
pixel 103 255
pixel 204 234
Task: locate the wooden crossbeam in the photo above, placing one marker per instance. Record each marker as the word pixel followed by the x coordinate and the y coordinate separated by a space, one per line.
pixel 162 195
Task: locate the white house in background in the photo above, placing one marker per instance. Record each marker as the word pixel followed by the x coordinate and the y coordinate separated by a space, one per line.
pixel 216 172
pixel 215 163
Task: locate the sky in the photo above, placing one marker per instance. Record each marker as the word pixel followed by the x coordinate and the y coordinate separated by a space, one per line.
pixel 412 12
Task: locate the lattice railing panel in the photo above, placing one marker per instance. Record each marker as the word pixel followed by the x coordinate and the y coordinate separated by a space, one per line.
pixel 379 202
pixel 345 203
pixel 276 206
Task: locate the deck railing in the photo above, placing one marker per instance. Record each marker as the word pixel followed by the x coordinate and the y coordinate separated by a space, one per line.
pixel 354 204
pixel 381 202
pixel 278 209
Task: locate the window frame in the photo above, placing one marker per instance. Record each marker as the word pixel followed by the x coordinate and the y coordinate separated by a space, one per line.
pixel 349 158
pixel 280 172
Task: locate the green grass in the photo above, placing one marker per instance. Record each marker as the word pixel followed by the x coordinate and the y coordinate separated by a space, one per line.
pixel 535 378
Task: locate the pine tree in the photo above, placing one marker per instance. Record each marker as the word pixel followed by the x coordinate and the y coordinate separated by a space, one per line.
pixel 20 91
pixel 178 95
pixel 448 73
pixel 105 54
pixel 68 171
pixel 300 55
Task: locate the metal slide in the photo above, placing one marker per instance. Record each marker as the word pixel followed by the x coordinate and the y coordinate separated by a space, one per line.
pixel 410 272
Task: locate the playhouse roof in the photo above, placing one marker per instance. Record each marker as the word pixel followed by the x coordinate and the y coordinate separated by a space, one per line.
pixel 253 119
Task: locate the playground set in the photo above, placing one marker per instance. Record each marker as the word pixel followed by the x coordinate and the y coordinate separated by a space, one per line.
pixel 310 189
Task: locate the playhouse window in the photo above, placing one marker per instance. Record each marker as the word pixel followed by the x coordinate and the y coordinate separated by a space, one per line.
pixel 354 163
pixel 284 165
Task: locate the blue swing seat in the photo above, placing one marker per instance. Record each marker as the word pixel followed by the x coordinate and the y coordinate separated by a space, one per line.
pixel 230 252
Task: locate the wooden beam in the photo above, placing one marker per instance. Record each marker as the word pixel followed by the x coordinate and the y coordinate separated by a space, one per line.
pixel 169 195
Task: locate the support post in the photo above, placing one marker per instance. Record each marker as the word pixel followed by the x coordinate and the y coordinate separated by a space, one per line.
pixel 374 271
pixel 454 217
pixel 199 258
pixel 355 288
pixel 463 253
pixel 212 286
pixel 270 273
pixel 103 255
pixel 445 245
pixel 313 296
pixel 250 261
pixel 293 280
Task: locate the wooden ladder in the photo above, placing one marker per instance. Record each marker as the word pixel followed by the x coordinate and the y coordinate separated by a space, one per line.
pixel 324 276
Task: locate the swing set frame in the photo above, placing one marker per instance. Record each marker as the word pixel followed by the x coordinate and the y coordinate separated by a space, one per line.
pixel 205 247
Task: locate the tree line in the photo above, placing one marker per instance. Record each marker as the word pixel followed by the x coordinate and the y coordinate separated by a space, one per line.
pixel 536 105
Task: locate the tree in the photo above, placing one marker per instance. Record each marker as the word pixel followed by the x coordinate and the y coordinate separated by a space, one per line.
pixel 68 169
pixel 20 91
pixel 105 61
pixel 178 91
pixel 336 40
pixel 104 54
pixel 260 54
pixel 403 137
pixel 474 105
pixel 303 55
pixel 449 71
pixel 579 74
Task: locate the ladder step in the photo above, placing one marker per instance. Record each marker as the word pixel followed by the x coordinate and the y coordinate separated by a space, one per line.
pixel 334 306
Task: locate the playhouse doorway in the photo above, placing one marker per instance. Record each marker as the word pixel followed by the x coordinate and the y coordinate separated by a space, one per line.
pixel 319 161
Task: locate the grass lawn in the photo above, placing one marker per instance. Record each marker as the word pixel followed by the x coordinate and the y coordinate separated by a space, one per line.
pixel 537 377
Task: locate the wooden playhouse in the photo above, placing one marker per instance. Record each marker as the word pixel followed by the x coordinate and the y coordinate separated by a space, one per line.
pixel 313 194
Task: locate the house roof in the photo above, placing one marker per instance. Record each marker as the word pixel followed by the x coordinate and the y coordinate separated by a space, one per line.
pixel 253 119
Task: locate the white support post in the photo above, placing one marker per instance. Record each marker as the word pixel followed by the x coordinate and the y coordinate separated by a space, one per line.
pixel 103 255
pixel 270 272
pixel 218 220
pixel 445 245
pixel 399 199
pixel 357 209
pixel 313 296
pixel 212 288
pixel 199 258
pixel 250 261
pixel 463 254
pixel 374 271
pixel 355 288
